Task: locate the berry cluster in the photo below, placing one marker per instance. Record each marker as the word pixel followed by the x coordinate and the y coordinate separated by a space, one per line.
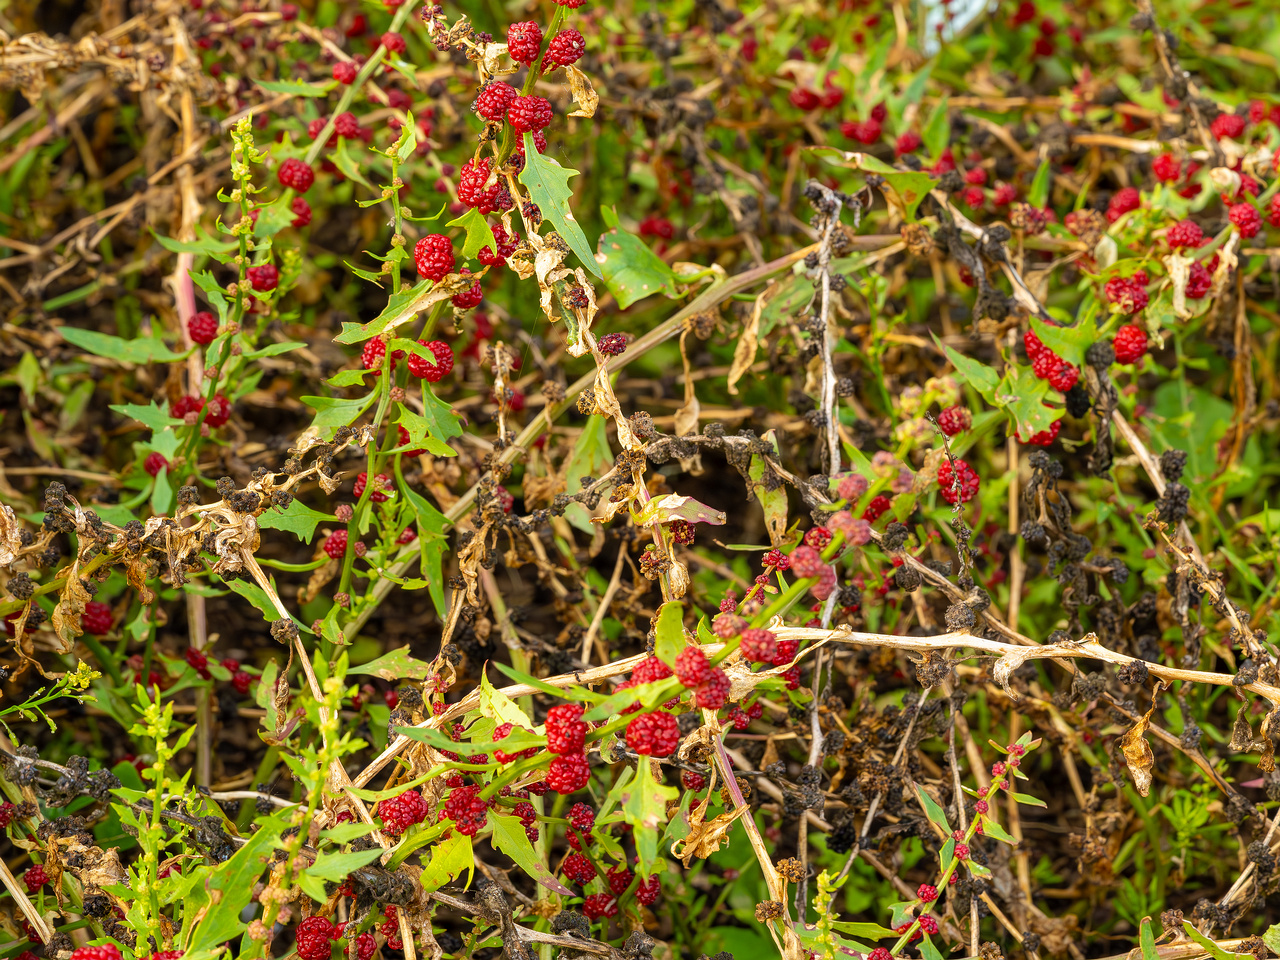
pixel 400 813
pixel 1047 365
pixel 566 737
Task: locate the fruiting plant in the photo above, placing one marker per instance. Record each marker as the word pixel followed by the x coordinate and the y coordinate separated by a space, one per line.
pixel 568 480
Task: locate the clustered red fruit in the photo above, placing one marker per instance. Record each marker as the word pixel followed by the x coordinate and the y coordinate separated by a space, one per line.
pixel 264 277
pixel 400 813
pixel 335 545
pixel 1047 365
pixel 35 878
pixel 524 40
pixel 529 114
pixel 966 488
pixel 203 327
pixel 927 893
pixel 578 868
pixel 1044 438
pixel 568 773
pixel 1129 294
pixel 296 175
pixel 108 951
pixel 955 420
pixel 314 936
pixel 1245 218
pixel 653 734
pixel 493 100
pixel 566 730
pixel 759 646
pixel 424 368
pixel 433 256
pixel 506 246
pixel 566 47
pixel 154 463
pixel 465 807
pixel 1185 233
pixel 1130 343
pixel 612 344
pixel 600 905
pixel 381 484
pixel 1124 200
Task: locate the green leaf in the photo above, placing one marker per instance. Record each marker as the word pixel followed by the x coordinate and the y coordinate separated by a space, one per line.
pixel 154 416
pixel 479 233
pixel 548 185
pixel 258 597
pixel 408 141
pixel 228 889
pixel 141 350
pixel 432 544
pixel 398 304
pixel 1021 394
pixel 218 249
pixel 1029 800
pixel 449 859
pixel 631 270
pixel 670 632
pixel 1213 949
pixel 937 132
pixel 772 500
pixel 297 518
pixel 509 837
pixel 430 432
pixel 1070 343
pixel 336 866
pixel 992 829
pixel 927 949
pixel 644 806
pixel 978 375
pixel 934 812
pixel 393 666
pixel 867 931
pixel 348 378
pixel 347 164
pixel 1147 938
pixel 912 188
pixel 789 301
pixel 334 412
pixel 591 457
pixel 275 349
pixel 945 856
pixel 161 493
pixel 497 705
pixel 1038 195
pixel 298 88
pixel 346 832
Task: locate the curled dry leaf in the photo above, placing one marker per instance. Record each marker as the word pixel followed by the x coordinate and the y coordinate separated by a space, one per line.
pixel 1179 272
pixel 1137 751
pixel 10 535
pixel 705 837
pixel 584 95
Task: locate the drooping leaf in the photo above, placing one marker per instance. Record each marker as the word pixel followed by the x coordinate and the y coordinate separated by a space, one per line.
pixel 141 350
pixel 432 544
pixel 509 837
pixel 298 88
pixel 393 666
pixel 933 811
pixel 1038 195
pixel 772 495
pixel 337 865
pixel 992 829
pixel 631 270
pixel 675 506
pixel 297 518
pixel 548 185
pixel 348 165
pixel 218 249
pixel 591 457
pixel 937 132
pixel 154 416
pixel 1147 940
pixel 227 890
pixel 479 233
pixel 669 632
pixel 975 373
pixel 1215 951
pixel 496 704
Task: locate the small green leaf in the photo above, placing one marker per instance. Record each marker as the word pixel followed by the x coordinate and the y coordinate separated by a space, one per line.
pixel 153 416
pixel 431 431
pixel 912 188
pixel 449 860
pixel 1021 395
pixel 393 666
pixel 937 132
pixel 297 518
pixel 1212 948
pixel 218 249
pixel 644 806
pixel 408 141
pixel 669 632
pixel 1038 195
pixel 141 350
pixel 631 270
pixel 298 88
pixel 1070 343
pixel 233 884
pixel 497 705
pixel 432 544
pixel 934 812
pixel 509 837
pixel 1147 938
pixel 334 412
pixel 479 233
pixel 945 856
pixel 275 349
pixel 772 496
pixel 347 378
pixel 992 829
pixel 347 164
pixel 548 184
pixel 398 305
pixel 975 373
pixel 867 931
pixel 336 866
pixel 1029 800
pixel 927 949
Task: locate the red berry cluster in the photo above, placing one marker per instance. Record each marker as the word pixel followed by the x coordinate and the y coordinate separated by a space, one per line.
pixel 400 813
pixel 578 868
pixel 465 807
pixel 1128 294
pixel 710 685
pixel 963 491
pixel 653 734
pixel 1047 365
pixel 566 737
pixel 955 420
pixel 433 256
pixel 1130 343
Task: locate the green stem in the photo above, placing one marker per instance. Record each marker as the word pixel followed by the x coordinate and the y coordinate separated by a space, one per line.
pixel 535 71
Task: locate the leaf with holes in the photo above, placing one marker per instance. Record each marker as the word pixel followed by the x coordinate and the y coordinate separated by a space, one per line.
pixel 548 185
pixel 631 270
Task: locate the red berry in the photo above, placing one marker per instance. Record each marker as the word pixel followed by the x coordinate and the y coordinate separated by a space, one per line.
pixel 1185 233
pixel 35 878
pixel 955 420
pixel 471 186
pixel 97 618
pixel 241 680
pixel 302 215
pixel 296 175
pixel 372 354
pixel 432 372
pixel 314 936
pixel 1123 201
pixel 265 277
pixel 382 483
pixel 219 411
pixel 402 438
pixel 1130 343
pixel 1005 194
pixel 1166 167
pixel 973 197
pixel 1033 345
pixel 806 561
pixel 465 808
pixel 712 693
pixel 578 868
pixel 600 904
pixel 433 256
pixel 506 247
pixel 154 463
pixel 929 925
pixel 198 661
pixel 107 951
pixel 529 113
pixel 968 484
pixel 1246 219
pixel 619 879
pixel 1045 437
pixel 876 508
pixel 804 98
pixel 759 646
pixel 467 298
pixel 565 47
pixel 346 125
pixel 393 41
pixel 493 100
pixel 582 817
pixel 648 889
pixel 400 813
pixel 880 953
pixel 524 40
pixel 566 730
pixel 1064 377
pixel 927 893
pixel 692 667
pixel 1129 294
pixel 1227 125
pixel 653 734
pixel 866 132
pixel 203 327
pixel 962 851
pixel 692 780
pixel 344 71
pixel 649 670
pixel 568 773
pixel 909 142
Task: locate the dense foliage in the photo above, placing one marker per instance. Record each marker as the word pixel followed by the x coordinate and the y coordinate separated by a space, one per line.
pixel 621 480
